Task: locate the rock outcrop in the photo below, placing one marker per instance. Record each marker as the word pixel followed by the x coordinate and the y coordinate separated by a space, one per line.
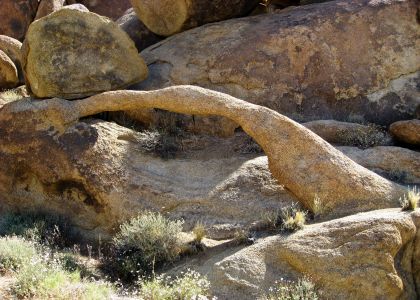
pixel 137 31
pixel 312 62
pixel 12 48
pixel 364 256
pixel 16 16
pixel 167 17
pixel 97 176
pixel 73 54
pixel 406 131
pixel 395 163
pixel 8 72
pixel 47 7
pixel 349 134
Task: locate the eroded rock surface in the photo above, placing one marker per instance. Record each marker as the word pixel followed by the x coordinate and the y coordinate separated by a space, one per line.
pixel 72 54
pixel 395 163
pixel 364 256
pixel 91 173
pixel 342 60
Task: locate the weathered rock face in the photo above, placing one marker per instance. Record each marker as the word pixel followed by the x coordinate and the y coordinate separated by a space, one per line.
pixel 312 62
pixel 94 175
pixel 365 256
pixel 104 174
pixel 349 134
pixel 8 72
pixel 12 48
pixel 72 54
pixel 110 8
pixel 15 17
pixel 407 131
pixel 47 7
pixel 395 163
pixel 137 31
pixel 166 17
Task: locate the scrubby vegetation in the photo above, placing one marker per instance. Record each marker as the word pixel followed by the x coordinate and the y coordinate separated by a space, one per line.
pixel 303 289
pixel 15 253
pixel 40 274
pixel 411 200
pixel 145 242
pixel 33 253
pixel 373 135
pixel 292 218
pixel 190 285
pixel 199 232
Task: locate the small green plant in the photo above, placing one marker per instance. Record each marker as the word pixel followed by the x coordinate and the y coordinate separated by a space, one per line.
pixel 304 289
pixel 190 285
pixel 199 232
pixel 242 236
pixel 15 252
pixel 318 207
pixel 292 218
pixel 271 219
pixel 411 200
pixel 144 241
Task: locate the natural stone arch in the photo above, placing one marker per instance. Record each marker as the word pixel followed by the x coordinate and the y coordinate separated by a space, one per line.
pixel 306 164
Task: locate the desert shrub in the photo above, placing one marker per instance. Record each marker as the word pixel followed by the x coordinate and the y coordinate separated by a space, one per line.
pixel 44 277
pixel 199 232
pixel 243 236
pixel 411 200
pixel 145 241
pixel 38 279
pixel 292 218
pixel 271 219
pixel 15 253
pixel 190 285
pixel 41 228
pixel 304 289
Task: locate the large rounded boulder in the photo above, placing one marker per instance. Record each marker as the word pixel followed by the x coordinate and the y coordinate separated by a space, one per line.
pixel 72 54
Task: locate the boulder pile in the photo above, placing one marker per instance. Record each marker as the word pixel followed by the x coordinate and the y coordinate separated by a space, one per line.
pixel 234 115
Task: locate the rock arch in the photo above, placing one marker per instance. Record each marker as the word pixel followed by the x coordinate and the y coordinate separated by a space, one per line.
pixel 300 160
